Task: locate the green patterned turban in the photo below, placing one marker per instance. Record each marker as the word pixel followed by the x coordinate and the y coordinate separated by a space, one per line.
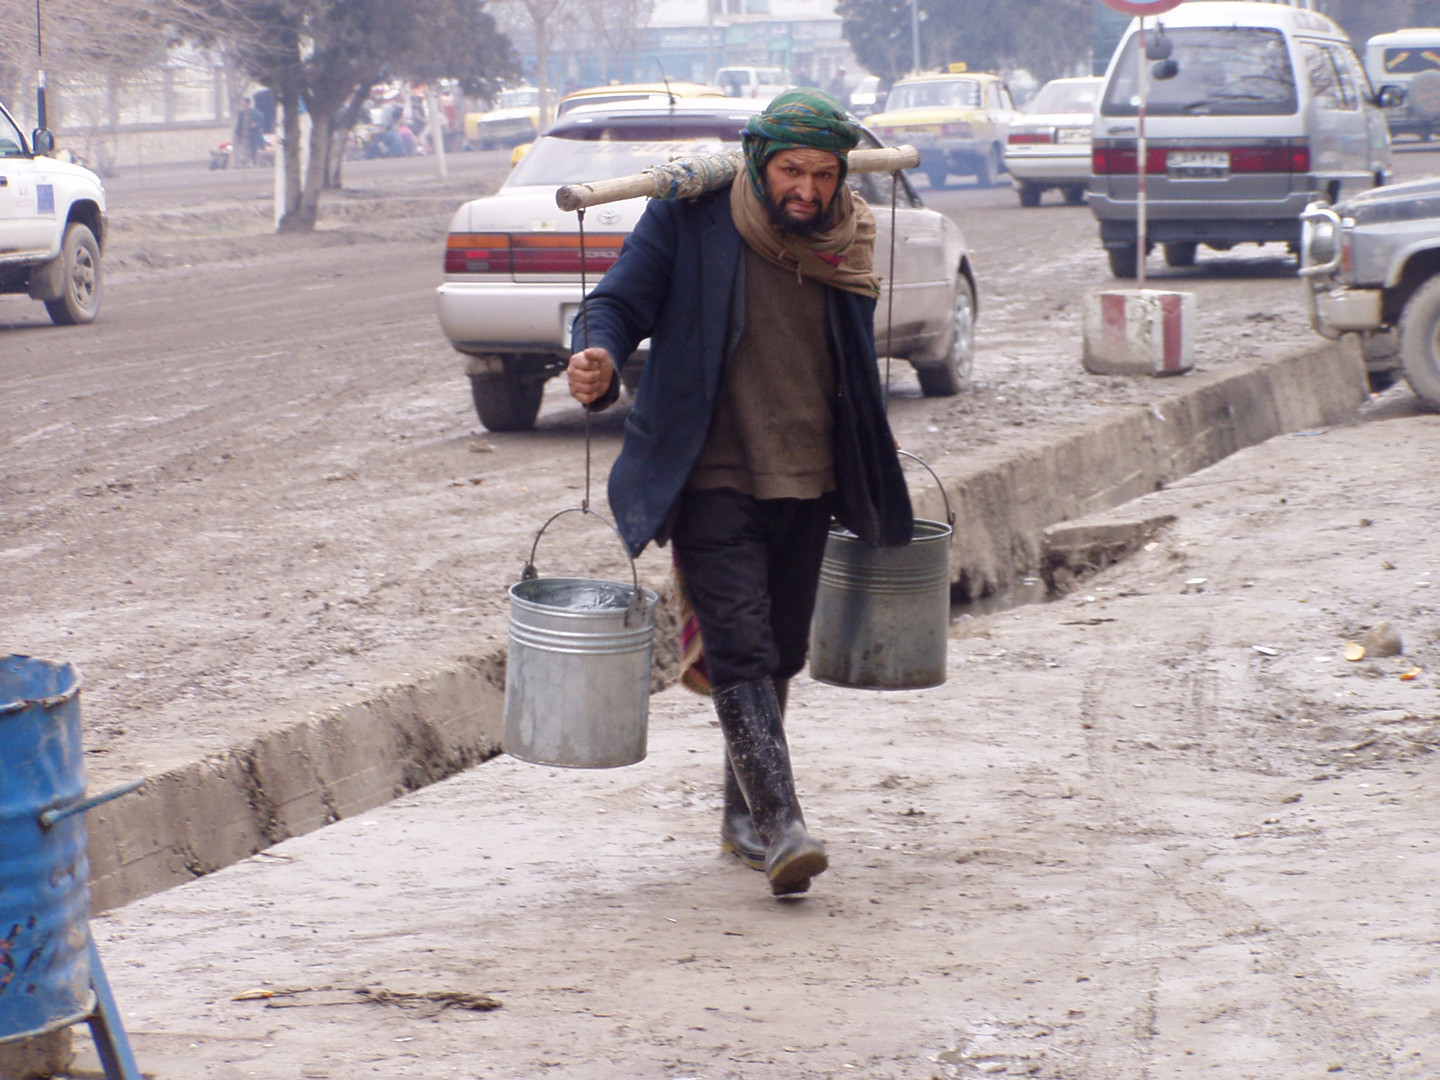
pixel 800 119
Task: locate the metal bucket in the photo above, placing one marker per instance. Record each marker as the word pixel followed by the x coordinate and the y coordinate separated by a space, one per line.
pixel 882 614
pixel 44 871
pixel 577 681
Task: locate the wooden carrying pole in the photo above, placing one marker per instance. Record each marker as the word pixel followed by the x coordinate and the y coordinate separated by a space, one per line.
pixel 690 177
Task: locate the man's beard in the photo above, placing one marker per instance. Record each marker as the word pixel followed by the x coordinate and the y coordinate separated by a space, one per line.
pixel 789 226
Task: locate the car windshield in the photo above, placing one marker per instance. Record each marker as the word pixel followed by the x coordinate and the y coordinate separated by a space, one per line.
pixel 1223 71
pixel 1412 60
pixel 11 142
pixel 1065 97
pixel 605 149
pixel 949 93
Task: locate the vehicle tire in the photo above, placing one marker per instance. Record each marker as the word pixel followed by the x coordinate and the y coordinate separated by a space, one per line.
pixel 508 400
pixel 947 377
pixel 1029 193
pixel 1123 261
pixel 988 168
pixel 1420 342
pixel 937 175
pixel 79 301
pixel 1180 253
pixel 1075 194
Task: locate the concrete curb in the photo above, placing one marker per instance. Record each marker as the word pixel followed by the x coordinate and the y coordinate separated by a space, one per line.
pixel 210 813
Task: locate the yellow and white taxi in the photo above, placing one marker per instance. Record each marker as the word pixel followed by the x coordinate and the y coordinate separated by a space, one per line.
pixel 958 120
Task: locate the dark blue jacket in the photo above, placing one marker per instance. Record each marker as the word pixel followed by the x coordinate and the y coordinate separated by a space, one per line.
pixel 674 283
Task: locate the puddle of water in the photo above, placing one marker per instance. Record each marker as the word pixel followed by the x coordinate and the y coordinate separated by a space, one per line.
pixel 1028 590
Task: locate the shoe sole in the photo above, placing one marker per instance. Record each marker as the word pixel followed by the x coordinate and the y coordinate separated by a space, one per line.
pixel 794 874
pixel 754 862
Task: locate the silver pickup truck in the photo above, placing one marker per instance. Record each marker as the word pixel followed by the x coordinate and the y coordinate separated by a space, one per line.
pixel 1371 266
pixel 52 226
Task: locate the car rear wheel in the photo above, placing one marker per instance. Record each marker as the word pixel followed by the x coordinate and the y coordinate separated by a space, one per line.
pixel 947 377
pixel 937 175
pixel 1029 194
pixel 79 300
pixel 1181 253
pixel 508 400
pixel 1075 194
pixel 1420 342
pixel 986 171
pixel 1123 262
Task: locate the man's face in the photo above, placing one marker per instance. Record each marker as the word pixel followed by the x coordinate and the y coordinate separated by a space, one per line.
pixel 799 186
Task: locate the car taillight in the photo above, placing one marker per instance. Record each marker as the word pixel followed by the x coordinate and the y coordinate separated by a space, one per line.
pixel 1111 161
pixel 960 128
pixel 477 253
pixel 539 253
pixel 559 253
pixel 1117 161
pixel 1272 159
pixel 1020 138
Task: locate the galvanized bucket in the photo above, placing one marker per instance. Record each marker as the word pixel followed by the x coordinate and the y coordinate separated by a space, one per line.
pixel 577 681
pixel 44 872
pixel 882 614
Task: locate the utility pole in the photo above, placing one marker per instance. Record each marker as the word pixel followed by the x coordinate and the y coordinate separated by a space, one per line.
pixel 40 117
pixel 915 37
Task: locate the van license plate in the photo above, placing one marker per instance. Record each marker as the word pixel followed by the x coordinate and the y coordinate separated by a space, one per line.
pixel 1198 163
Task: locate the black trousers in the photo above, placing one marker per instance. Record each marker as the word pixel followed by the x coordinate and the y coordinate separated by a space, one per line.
pixel 751 568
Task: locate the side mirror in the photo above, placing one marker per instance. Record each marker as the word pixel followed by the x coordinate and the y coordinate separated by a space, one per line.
pixel 42 141
pixel 1165 69
pixel 1158 47
pixel 1389 96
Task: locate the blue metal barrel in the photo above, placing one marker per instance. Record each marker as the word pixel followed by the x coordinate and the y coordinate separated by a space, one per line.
pixel 44 872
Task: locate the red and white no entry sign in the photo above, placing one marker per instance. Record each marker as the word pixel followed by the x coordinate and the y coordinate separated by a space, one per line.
pixel 1142 7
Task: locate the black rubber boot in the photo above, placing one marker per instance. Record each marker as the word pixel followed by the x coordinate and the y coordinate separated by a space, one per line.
pixel 738 835
pixel 750 717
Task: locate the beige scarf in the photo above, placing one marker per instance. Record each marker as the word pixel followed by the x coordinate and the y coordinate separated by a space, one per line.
pixel 842 254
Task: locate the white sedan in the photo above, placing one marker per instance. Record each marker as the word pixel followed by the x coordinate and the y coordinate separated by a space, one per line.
pixel 1049 147
pixel 512 260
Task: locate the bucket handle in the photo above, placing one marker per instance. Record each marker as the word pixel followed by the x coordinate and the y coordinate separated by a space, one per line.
pixel 60 813
pixel 637 601
pixel 949 514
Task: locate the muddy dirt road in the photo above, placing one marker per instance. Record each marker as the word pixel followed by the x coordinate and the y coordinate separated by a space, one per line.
pixel 1158 829
pixel 256 486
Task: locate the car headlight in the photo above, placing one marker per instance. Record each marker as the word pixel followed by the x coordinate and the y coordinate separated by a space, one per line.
pixel 1324 243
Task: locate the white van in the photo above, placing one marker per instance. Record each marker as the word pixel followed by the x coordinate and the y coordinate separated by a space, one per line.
pixel 1409 59
pixel 1256 111
pixel 757 83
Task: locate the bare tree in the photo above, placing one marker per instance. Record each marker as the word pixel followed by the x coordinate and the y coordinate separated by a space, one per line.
pixel 621 26
pixel 541 18
pixel 81 39
pixel 321 57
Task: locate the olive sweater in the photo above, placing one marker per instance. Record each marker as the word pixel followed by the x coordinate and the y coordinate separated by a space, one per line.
pixel 771 433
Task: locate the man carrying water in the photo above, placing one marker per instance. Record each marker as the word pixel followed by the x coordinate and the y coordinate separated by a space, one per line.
pixel 759 416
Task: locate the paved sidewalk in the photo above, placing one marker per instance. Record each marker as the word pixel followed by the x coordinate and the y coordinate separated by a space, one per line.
pixel 1160 827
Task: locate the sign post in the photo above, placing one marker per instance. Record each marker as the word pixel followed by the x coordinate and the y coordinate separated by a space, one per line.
pixel 1141 331
pixel 1141 9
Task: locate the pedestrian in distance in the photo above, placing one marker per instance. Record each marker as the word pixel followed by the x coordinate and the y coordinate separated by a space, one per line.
pixel 759 416
pixel 249 134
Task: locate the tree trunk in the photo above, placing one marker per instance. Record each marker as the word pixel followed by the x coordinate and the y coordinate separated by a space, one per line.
pixel 291 217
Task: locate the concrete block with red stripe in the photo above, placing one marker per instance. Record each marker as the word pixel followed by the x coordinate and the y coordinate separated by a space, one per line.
pixel 1139 332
